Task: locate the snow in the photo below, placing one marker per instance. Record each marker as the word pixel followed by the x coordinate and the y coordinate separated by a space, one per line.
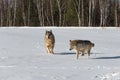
pixel 23 55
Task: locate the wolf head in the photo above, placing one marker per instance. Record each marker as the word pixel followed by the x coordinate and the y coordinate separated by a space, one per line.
pixel 93 44
pixel 48 34
pixel 72 44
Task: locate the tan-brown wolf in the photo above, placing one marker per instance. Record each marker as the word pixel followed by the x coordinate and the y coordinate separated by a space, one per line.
pixel 81 47
pixel 49 41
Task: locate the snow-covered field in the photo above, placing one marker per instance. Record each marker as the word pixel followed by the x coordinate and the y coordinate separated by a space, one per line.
pixel 23 55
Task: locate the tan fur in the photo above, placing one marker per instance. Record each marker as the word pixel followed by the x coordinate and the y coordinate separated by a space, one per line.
pixel 81 46
pixel 49 41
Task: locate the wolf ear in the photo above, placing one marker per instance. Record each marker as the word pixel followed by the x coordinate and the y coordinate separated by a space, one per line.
pixel 70 40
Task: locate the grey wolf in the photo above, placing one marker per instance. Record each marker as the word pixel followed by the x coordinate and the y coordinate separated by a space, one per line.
pixel 81 47
pixel 49 42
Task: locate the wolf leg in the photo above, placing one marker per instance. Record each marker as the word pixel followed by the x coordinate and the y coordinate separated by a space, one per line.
pixel 47 49
pixel 77 54
pixel 52 51
pixel 82 53
pixel 88 53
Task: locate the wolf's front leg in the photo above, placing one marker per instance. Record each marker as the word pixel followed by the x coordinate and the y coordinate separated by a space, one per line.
pixel 47 49
pixel 88 53
pixel 77 54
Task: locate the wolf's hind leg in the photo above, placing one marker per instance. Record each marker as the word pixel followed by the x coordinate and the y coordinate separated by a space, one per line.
pixel 82 53
pixel 52 51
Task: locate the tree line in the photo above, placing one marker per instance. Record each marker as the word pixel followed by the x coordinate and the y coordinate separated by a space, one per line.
pixel 95 13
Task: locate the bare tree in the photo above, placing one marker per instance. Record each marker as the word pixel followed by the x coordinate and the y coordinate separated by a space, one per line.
pixel 1 13
pixel 90 9
pixel 104 5
pixel 82 10
pixel 28 19
pixel 42 12
pixel 77 9
pixel 101 12
pixel 23 13
pixel 39 4
pixel 51 10
pixel 15 8
pixel 60 14
pixel 9 13
pixel 116 11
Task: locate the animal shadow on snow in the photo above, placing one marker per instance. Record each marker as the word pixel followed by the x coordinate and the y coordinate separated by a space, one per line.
pixel 109 57
pixel 69 53
pixel 65 53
